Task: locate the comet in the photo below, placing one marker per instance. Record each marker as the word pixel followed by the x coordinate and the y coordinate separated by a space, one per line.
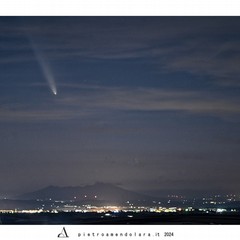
pixel 45 67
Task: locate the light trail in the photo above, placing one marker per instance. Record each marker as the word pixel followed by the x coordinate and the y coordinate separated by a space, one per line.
pixel 45 67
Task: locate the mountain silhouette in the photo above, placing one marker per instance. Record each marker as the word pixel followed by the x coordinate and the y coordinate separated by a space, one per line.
pixel 96 192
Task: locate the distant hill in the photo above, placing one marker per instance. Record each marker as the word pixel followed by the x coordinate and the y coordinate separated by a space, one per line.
pixel 98 192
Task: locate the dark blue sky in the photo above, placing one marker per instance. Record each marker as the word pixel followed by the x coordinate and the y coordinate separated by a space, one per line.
pixel 147 103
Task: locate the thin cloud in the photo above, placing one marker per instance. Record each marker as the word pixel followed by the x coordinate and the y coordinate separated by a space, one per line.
pixel 149 99
pixel 95 99
pixel 199 46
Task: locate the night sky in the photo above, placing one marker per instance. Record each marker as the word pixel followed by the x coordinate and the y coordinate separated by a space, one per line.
pixel 145 103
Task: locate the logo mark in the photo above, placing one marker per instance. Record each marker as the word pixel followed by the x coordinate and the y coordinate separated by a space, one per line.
pixel 63 233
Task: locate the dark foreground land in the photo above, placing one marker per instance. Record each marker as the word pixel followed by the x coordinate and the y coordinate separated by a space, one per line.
pixel 119 218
